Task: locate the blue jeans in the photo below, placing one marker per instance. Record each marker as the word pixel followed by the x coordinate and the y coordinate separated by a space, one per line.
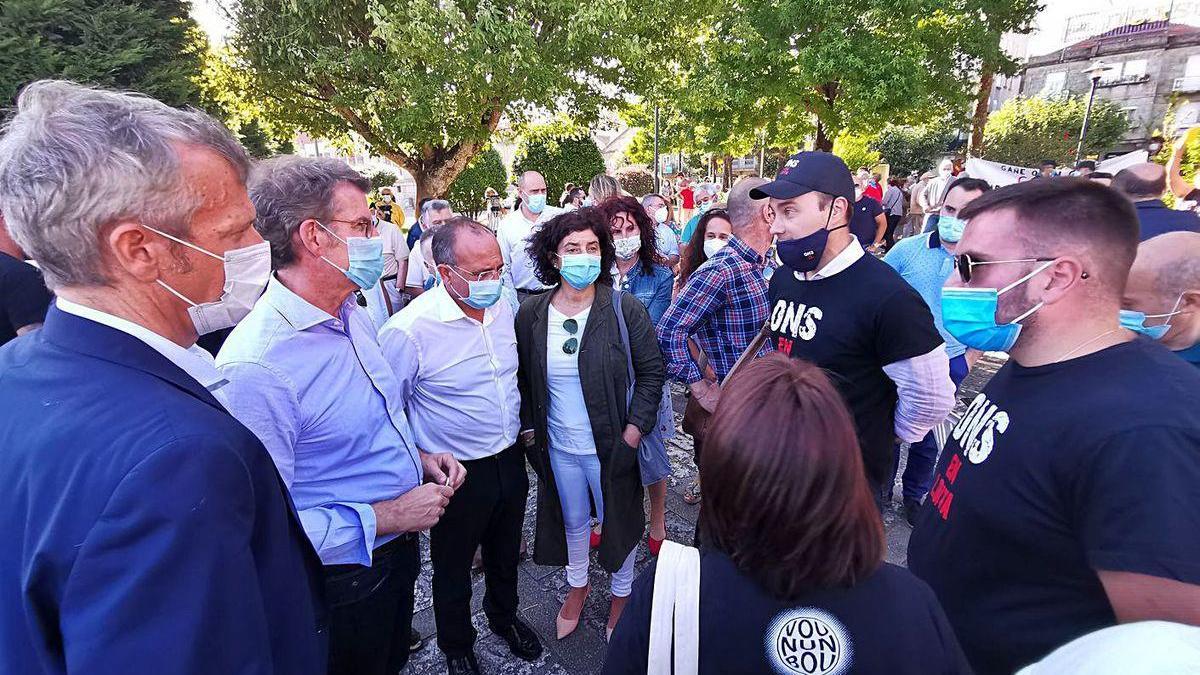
pixel 922 455
pixel 576 476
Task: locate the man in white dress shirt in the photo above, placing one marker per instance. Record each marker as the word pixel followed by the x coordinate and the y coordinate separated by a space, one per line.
pixel 454 352
pixel 518 226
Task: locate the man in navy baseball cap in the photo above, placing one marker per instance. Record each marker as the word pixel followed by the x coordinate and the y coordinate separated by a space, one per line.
pixel 807 172
pixel 851 314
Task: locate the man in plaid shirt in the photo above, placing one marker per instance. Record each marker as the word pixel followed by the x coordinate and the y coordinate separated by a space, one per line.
pixel 724 303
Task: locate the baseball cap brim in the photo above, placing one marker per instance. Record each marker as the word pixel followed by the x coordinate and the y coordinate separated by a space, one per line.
pixel 780 189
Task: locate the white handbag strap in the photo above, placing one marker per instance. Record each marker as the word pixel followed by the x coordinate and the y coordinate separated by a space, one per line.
pixel 675 612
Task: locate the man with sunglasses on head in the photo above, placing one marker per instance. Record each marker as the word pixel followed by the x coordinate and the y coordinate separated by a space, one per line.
pixel 308 378
pixel 1164 292
pixel 1066 499
pixel 925 262
pixel 852 314
pixel 454 351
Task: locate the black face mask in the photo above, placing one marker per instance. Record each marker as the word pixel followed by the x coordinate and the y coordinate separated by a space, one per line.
pixel 804 254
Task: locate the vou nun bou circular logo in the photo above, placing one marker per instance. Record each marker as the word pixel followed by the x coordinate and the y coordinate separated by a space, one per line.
pixel 808 641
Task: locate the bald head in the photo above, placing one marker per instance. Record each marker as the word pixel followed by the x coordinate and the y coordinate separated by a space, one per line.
pixel 743 211
pixel 531 180
pixel 1141 182
pixel 1165 277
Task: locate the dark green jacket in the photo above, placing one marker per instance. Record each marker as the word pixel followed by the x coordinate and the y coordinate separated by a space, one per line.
pixel 603 375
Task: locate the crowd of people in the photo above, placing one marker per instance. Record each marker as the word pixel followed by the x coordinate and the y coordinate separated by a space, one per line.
pixel 259 509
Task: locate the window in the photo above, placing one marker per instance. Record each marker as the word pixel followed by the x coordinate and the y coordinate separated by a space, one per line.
pixel 1054 84
pixel 1136 68
pixel 1193 66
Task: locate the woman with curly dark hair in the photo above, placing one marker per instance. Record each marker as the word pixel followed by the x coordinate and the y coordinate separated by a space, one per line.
pixel 713 231
pixel 641 272
pixel 591 379
pixel 790 576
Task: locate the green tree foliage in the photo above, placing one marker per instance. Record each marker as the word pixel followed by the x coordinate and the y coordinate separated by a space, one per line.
pixel 485 171
pixel 225 91
pixel 562 152
pixel 382 178
pixel 908 148
pixel 855 150
pixel 1027 130
pixel 636 180
pixel 425 82
pixel 153 47
pixel 794 68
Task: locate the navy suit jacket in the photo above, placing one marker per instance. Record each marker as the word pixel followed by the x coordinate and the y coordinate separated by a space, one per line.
pixel 1155 219
pixel 142 528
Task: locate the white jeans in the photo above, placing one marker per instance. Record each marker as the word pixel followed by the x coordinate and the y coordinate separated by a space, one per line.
pixel 576 476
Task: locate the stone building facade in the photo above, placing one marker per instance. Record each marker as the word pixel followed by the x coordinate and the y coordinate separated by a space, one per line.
pixel 1154 64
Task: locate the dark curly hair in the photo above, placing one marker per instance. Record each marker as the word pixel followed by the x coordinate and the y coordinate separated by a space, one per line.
pixel 543 245
pixel 695 251
pixel 648 253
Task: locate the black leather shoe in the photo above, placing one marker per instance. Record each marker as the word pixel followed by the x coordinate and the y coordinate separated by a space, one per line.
pixel 911 508
pixel 521 639
pixel 415 641
pixel 462 665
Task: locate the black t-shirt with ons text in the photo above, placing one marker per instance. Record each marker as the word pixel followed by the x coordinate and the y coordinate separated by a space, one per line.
pixel 852 324
pixel 1054 472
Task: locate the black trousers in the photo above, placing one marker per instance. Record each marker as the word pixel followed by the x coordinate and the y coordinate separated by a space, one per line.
pixel 486 511
pixel 371 610
pixel 889 237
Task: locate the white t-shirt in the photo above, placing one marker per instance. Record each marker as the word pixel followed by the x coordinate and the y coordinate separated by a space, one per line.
pixel 568 424
pixel 667 242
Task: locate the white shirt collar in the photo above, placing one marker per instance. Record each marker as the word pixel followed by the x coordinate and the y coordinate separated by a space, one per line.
pixel 194 361
pixel 840 262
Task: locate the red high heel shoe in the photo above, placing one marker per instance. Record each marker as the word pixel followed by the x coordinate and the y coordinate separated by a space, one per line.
pixel 595 540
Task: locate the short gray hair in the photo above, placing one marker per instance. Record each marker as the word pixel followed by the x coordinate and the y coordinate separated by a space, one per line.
pixel 75 159
pixel 708 188
pixel 744 210
pixel 289 190
pixel 446 237
pixel 433 205
pixel 653 195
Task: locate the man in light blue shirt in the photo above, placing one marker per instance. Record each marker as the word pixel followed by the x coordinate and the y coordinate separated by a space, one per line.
pixel 926 261
pixel 306 375
pixel 659 210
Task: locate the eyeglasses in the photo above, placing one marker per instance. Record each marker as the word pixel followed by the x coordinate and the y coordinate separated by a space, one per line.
pixel 363 226
pixel 964 264
pixel 485 275
pixel 572 344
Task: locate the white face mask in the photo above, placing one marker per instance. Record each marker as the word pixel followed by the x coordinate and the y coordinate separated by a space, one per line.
pixel 711 246
pixel 660 216
pixel 627 247
pixel 247 271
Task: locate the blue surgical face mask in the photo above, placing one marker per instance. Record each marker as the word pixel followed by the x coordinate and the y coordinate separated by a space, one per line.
pixel 481 294
pixel 705 206
pixel 430 282
pixel 366 259
pixel 969 314
pixel 580 270
pixel 587 201
pixel 536 203
pixel 1136 321
pixel 950 229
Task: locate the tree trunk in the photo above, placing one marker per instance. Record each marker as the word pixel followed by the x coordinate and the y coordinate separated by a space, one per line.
pixel 983 98
pixel 824 141
pixel 727 172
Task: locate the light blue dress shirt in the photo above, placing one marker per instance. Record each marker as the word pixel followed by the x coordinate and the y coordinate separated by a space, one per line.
pixel 318 393
pixel 925 264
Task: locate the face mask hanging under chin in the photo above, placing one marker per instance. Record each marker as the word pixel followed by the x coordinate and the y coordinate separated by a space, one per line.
pixel 247 271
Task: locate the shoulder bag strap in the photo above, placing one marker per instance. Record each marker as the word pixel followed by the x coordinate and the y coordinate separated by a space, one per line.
pixel 750 353
pixel 687 612
pixel 624 341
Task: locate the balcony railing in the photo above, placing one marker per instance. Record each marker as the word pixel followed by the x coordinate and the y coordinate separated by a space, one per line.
pixel 1126 79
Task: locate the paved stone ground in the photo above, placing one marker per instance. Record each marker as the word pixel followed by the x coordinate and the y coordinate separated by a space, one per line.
pixel 542 589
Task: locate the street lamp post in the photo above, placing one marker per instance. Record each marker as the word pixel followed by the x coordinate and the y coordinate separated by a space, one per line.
pixel 1095 72
pixel 657 188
